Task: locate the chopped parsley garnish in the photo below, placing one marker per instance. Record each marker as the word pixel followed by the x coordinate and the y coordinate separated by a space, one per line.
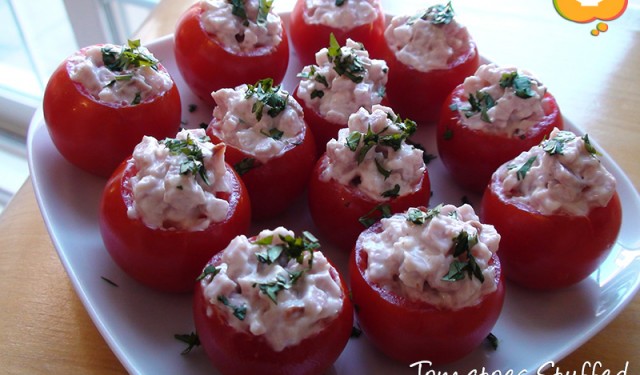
pixel 419 217
pixel 437 15
pixel 191 339
pixel 340 3
pixel 290 248
pixel 109 281
pixel 282 282
pixel 239 312
pixel 380 211
pixel 493 341
pixel 245 165
pixel 555 145
pixel 128 57
pixel 192 108
pixel 316 94
pixel 209 270
pixel 589 147
pixel 273 133
pixel 426 157
pixel 348 65
pixel 521 173
pixel 264 6
pixel 268 97
pixel 464 262
pixel 481 102
pixel 137 99
pixel 237 9
pixel 521 84
pixel 384 172
pixel 392 193
pixel 194 163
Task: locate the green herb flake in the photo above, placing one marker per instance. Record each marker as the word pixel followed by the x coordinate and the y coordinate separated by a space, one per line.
pixel 129 57
pixel 481 102
pixel 239 312
pixel 437 15
pixel 464 263
pixel 137 99
pixel 238 10
pixel 268 97
pixel 493 341
pixel 419 217
pixel 555 145
pixel 353 140
pixel 282 282
pixel 340 3
pixel 191 339
pixel 520 84
pixel 348 65
pixel 245 165
pixel 589 147
pixel 192 108
pixel 264 6
pixel 384 172
pixel 273 133
pixel 194 163
pixel 521 173
pixel 380 211
pixel 392 193
pixel 209 270
pixel 316 94
pixel 109 281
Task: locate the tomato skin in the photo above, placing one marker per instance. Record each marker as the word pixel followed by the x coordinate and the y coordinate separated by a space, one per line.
pixel 96 137
pixel 336 208
pixel 240 353
pixel 207 67
pixel 307 39
pixel 165 260
pixel 471 156
pixel 419 95
pixel 274 186
pixel 410 331
pixel 547 252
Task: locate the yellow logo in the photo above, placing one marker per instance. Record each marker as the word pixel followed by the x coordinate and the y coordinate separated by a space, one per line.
pixel 585 11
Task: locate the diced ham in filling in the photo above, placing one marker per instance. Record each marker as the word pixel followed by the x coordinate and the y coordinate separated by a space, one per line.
pixel 340 15
pixel 264 290
pixel 344 80
pixel 412 254
pixel 242 27
pixel 502 100
pixel 261 120
pixel 372 154
pixel 110 77
pixel 177 181
pixel 429 40
pixel 562 175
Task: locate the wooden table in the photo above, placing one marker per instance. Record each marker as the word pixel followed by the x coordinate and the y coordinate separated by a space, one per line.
pixel 44 327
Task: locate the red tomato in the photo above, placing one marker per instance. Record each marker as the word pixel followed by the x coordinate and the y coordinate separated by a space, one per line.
pixel 275 185
pixel 239 353
pixel 307 39
pixel 167 260
pixel 97 136
pixel 207 66
pixel 411 331
pixel 419 95
pixel 471 156
pixel 336 209
pixel 550 251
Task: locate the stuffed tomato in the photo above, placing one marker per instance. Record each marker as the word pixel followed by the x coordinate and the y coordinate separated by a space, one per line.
pixel 343 80
pixel 272 304
pixel 427 283
pixel 268 143
pixel 428 54
pixel 103 99
pixel 312 22
pixel 557 209
pixel 222 44
pixel 169 208
pixel 491 118
pixel 367 172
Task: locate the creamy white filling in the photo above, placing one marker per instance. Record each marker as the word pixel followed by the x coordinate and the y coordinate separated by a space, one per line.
pixel 349 15
pixel 425 46
pixel 236 34
pixel 405 166
pixel 511 114
pixel 236 123
pixel 301 311
pixel 412 259
pixel 166 197
pixel 336 96
pixel 127 87
pixel 571 181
